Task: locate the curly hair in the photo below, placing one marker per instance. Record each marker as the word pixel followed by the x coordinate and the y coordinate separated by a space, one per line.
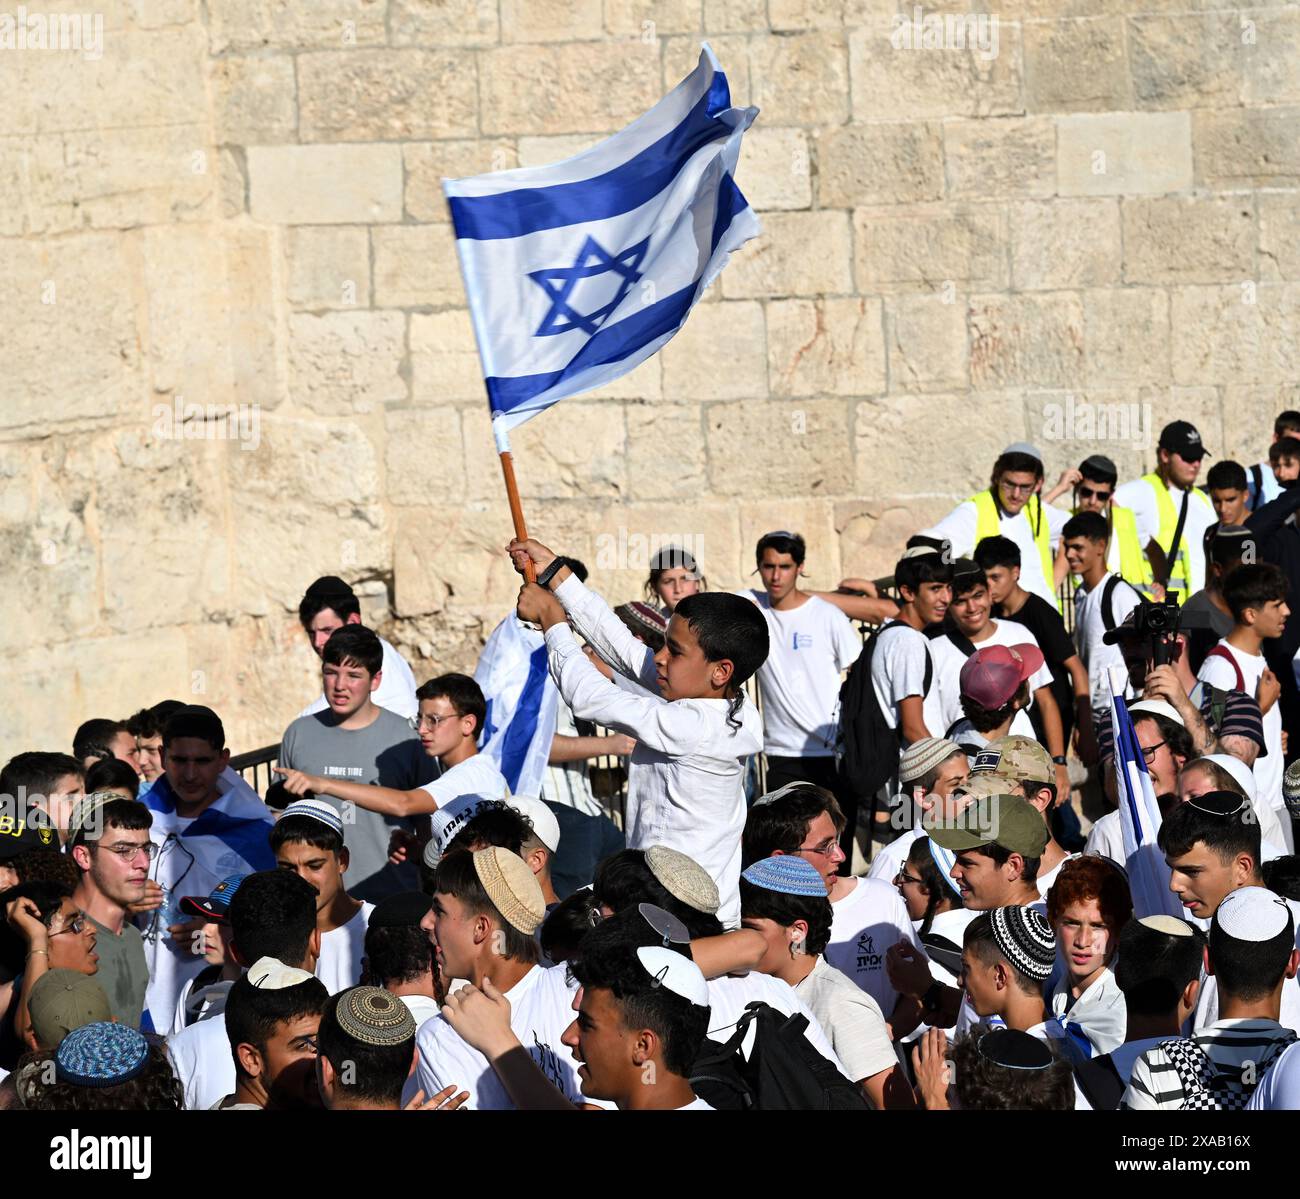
pixel 155 1089
pixel 1082 879
pixel 984 1086
pixel 46 866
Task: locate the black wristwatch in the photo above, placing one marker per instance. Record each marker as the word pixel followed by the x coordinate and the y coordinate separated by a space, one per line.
pixel 544 579
pixel 1059 759
pixel 930 1000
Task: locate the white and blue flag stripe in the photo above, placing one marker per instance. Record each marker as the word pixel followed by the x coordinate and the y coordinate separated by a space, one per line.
pixel 579 271
pixel 1139 815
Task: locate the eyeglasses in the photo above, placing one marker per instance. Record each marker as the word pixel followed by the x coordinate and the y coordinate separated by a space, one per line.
pixel 1149 751
pixel 429 722
pixel 1017 488
pixel 75 925
pixel 1091 493
pixel 826 848
pixel 128 852
pixel 903 877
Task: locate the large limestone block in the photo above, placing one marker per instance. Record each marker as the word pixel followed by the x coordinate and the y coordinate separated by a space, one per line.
pixel 1245 333
pixel 1279 235
pixel 1251 409
pixel 427 164
pixel 312 487
pixel 814 520
pixel 325 185
pixel 1246 147
pixel 774 170
pixel 681 54
pixel 873 532
pixel 574 88
pixel 884 163
pixel 734 16
pixel 328 266
pixel 784 448
pixel 72 331
pixel 797 254
pixel 454 555
pixel 988 422
pixel 416 265
pixel 1031 340
pixel 802 79
pixel 826 347
pixel 1065 243
pixel 648 18
pixel 1124 154
pixel 240 25
pixel 893 79
pixel 385 95
pixel 549 20
pixel 1015 156
pixel 1272 60
pixel 1126 336
pixel 1202 406
pixel 718 354
pixel 1076 65
pixel 665 451
pixel 444 358
pixel 425 458
pixel 1068 426
pixel 1189 239
pixel 345 362
pixel 259 674
pixel 1187 60
pixel 926 247
pixel 443 22
pixel 925 336
pixel 254 100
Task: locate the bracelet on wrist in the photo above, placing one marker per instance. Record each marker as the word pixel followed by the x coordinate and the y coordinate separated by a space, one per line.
pixel 544 579
pixel 46 952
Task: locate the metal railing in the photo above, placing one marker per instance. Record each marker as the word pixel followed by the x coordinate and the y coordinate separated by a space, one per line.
pixel 258 761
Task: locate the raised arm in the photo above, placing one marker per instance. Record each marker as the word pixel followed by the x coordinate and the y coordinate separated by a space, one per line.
pixel 388 801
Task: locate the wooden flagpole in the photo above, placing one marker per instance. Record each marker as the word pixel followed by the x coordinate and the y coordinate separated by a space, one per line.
pixel 516 509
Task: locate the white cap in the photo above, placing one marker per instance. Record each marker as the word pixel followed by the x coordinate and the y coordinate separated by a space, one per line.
pixel 1167 924
pixel 445 823
pixel 1157 707
pixel 271 974
pixel 1242 774
pixel 676 972
pixel 541 817
pixel 1253 914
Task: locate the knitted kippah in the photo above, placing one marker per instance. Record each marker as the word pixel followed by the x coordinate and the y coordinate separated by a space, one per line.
pixel 787 873
pixel 318 810
pixel 1026 940
pixel 1253 914
pixel 683 878
pixel 373 1016
pixel 1291 787
pixel 924 755
pixel 511 887
pixel 101 1055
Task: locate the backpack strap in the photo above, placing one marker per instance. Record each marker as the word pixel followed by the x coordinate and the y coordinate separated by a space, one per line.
pixel 1219 652
pixel 1257 477
pixel 1107 599
pixel 961 641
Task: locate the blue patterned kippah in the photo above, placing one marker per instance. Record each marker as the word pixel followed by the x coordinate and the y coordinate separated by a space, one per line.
pixel 101 1055
pixel 316 809
pixel 787 873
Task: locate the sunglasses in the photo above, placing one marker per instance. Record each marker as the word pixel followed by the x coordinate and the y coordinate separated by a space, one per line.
pixel 1091 493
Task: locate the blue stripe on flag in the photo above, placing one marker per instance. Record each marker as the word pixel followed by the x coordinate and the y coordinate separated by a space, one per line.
pixel 628 186
pixel 247 836
pixel 620 340
pixel 523 724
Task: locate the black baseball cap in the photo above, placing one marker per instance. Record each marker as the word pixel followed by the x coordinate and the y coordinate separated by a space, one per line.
pixel 1180 437
pixel 22 836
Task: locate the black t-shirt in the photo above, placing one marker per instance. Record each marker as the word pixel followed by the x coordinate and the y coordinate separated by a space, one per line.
pixel 1045 622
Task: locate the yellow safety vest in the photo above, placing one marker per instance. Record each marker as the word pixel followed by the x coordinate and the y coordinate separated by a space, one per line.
pixel 988 523
pixel 1179 574
pixel 1134 565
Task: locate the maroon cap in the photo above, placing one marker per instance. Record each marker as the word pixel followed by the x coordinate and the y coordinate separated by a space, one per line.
pixel 992 676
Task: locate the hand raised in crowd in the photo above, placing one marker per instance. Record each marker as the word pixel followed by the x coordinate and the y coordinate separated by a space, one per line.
pixel 445 1100
pixel 24 918
pixel 1163 683
pixel 531 549
pixel 183 933
pixel 400 844
pixel 930 1063
pixel 1267 691
pixel 482 1018
pixel 152 900
pixel 298 783
pixel 908 969
pixel 538 605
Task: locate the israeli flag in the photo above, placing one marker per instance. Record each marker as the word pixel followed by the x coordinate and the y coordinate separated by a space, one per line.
pixel 579 271
pixel 1139 814
pixel 521 699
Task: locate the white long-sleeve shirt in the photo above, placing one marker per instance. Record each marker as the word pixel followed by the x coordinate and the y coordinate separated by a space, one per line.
pixel 686 775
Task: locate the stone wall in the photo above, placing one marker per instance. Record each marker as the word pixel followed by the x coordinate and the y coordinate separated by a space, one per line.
pixel 237 202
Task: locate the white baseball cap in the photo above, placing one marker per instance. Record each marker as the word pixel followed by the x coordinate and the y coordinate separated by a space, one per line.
pixel 541 817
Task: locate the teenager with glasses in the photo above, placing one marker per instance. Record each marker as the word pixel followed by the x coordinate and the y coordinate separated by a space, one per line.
pixel 112 850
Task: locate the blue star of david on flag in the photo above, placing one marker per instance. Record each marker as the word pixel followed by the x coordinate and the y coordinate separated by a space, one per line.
pixel 593 260
pixel 655 207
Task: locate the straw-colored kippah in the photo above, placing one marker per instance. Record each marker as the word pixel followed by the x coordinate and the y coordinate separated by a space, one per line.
pixel 511 886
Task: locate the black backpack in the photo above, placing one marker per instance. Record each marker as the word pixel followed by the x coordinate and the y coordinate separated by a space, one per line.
pixel 783 1073
pixel 868 746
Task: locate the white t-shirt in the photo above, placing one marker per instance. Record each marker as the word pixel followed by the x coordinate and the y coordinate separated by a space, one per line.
pixel 948 661
pixel 1270 488
pixel 851 1019
pixel 1046 879
pixel 423 1008
pixel 810 647
pixel 1268 767
pixel 864 924
pixel 1099 1013
pixel 729 994
pixel 696 1105
pixel 1279 1089
pixel 898 667
pixel 1139 496
pixel 476 775
pixel 960 525
pixel 540 1011
pixel 1090 628
pixel 341 951
pixel 889 858
pixel 202 1060
pixel 396 690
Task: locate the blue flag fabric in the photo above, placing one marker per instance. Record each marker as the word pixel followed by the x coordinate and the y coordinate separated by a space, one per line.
pixel 578 271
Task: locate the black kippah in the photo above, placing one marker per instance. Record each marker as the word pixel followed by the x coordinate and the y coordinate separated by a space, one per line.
pixel 1015 1050
pixel 404 910
pixel 1220 803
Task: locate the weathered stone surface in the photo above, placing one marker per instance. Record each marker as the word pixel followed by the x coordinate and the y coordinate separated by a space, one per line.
pixel 879 164
pixel 328 266
pixel 649 18
pixel 444 359
pixel 712 357
pixel 1076 65
pixel 799 254
pixel 254 100
pixel 1188 239
pixel 426 164
pixel 344 362
pixel 385 95
pixel 930 247
pixel 786 448
pixel 1070 425
pixel 734 16
pixel 443 22
pixel 416 265
pixel 825 347
pixel 246 25
pixel 426 457
pixel 681 55
pixel 325 185
pixel 1065 243
pixel 1247 147
pixel 1012 157
pixel 549 20
pixel 1279 235
pixel 1032 340
pixel 1126 335
pixel 802 79
pixel 665 450
pixel 1187 61
pixel 1235 334
pixel 1272 60
pixel 774 170
pixel 925 336
pixel 1124 154
pixel 1253 408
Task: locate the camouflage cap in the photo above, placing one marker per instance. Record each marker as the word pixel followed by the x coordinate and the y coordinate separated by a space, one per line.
pixel 1020 759
pixel 1006 820
pixel 980 786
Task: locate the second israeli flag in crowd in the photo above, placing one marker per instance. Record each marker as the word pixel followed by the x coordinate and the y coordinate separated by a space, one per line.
pixel 579 271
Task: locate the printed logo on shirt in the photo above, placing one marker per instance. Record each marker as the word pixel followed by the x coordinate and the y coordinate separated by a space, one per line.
pixel 339 772
pixel 868 958
pixel 801 641
pixel 548 1061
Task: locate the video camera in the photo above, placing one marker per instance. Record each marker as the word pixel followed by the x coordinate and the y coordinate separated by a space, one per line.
pixel 1158 623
